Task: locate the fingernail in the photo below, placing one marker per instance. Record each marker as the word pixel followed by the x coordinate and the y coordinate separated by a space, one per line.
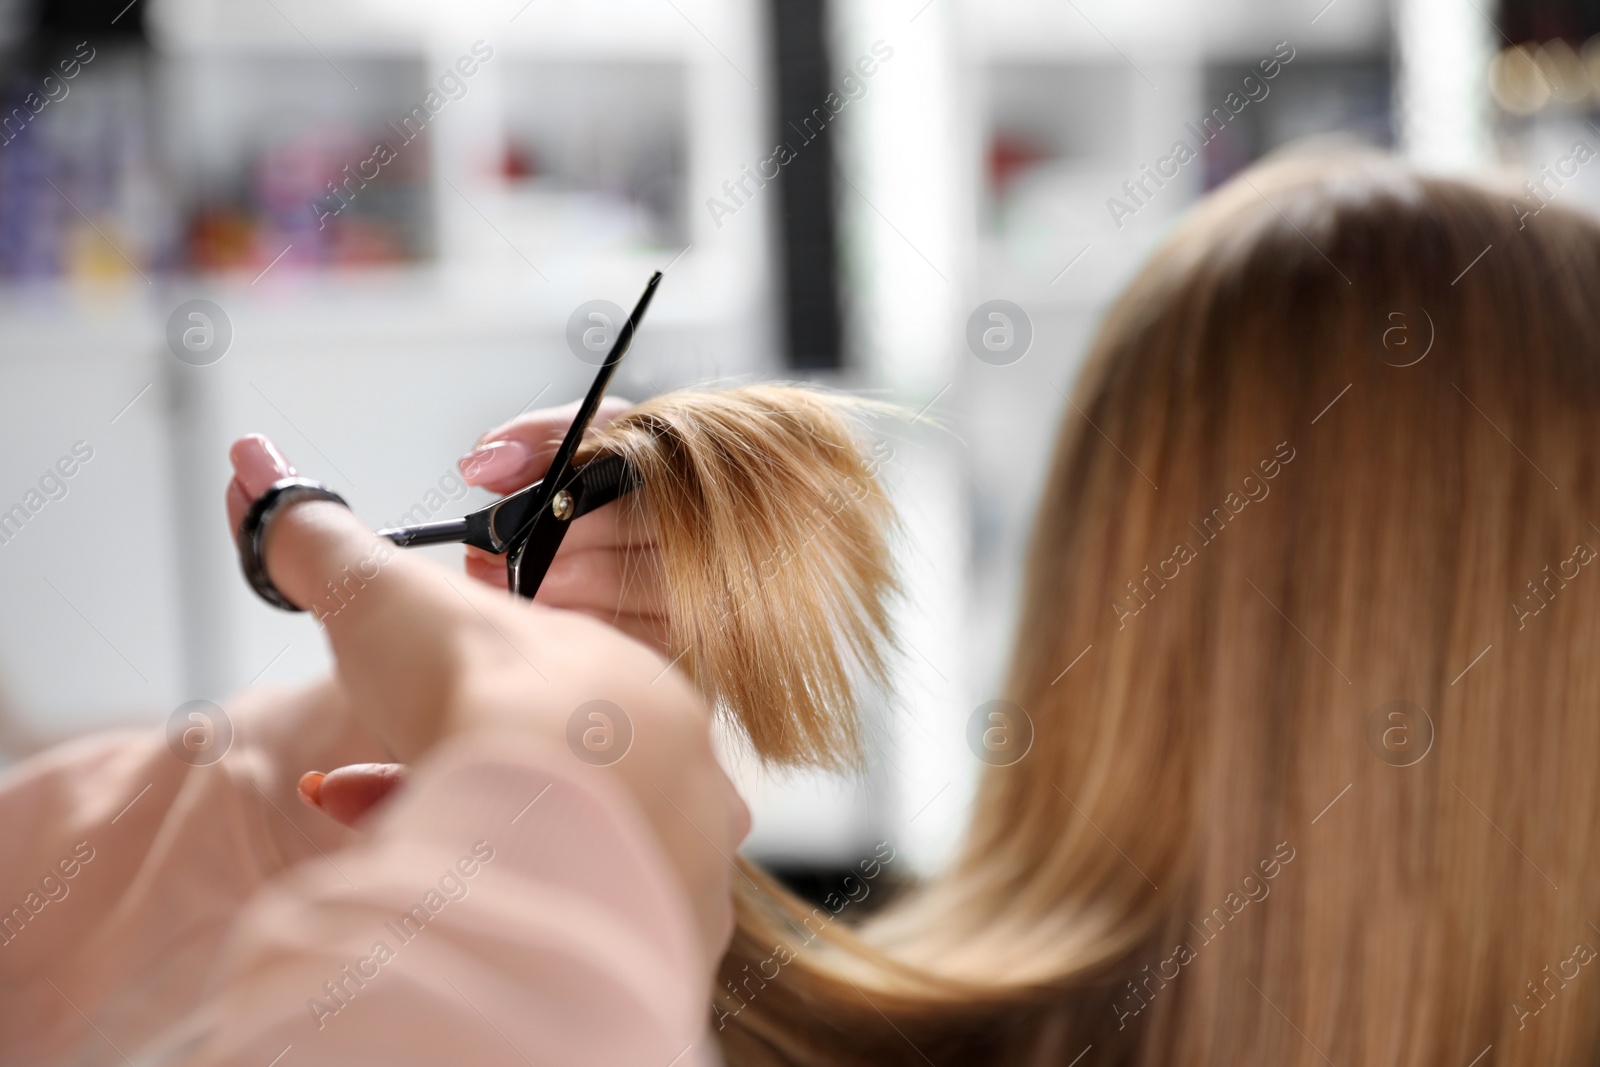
pixel 497 461
pixel 311 787
pixel 258 463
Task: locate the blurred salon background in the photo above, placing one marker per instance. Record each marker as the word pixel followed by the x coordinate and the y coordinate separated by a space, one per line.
pixel 373 230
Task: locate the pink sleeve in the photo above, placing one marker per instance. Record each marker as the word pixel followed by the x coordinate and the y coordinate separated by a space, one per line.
pixel 512 908
pixel 124 868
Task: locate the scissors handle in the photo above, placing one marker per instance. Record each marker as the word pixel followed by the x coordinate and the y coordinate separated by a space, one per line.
pixel 594 485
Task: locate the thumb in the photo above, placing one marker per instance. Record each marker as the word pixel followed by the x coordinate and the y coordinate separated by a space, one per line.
pixel 382 609
pixel 313 548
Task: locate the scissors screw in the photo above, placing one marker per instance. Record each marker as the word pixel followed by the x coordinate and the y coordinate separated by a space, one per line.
pixel 561 505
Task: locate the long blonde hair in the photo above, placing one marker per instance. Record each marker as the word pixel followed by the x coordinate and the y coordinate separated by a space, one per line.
pixel 1321 787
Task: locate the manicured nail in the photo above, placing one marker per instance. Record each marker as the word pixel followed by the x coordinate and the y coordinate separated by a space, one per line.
pixel 497 461
pixel 311 787
pixel 258 463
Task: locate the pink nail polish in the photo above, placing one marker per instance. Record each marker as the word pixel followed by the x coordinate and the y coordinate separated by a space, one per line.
pixel 258 463
pixel 497 462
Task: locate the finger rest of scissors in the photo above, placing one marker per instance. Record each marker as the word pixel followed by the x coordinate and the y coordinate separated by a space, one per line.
pixel 447 532
pixel 474 529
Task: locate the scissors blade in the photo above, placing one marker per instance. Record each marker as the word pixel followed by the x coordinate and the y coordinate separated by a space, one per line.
pixel 510 524
pixel 531 528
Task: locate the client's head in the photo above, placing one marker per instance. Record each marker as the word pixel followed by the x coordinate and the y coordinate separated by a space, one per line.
pixel 1319 784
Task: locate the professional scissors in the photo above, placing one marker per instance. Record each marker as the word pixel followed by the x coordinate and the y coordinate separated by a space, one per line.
pixel 527 527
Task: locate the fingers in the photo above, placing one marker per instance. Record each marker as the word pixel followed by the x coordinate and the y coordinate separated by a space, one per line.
pixel 645 621
pixel 610 526
pixel 649 630
pixel 586 574
pixel 626 580
pixel 348 793
pixel 487 568
pixel 515 454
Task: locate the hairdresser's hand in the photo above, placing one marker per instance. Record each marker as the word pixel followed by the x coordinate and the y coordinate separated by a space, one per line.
pixel 425 657
pixel 606 566
pixel 586 575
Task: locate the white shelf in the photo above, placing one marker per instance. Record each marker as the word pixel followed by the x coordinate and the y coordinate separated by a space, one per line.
pixel 1151 33
pixel 617 29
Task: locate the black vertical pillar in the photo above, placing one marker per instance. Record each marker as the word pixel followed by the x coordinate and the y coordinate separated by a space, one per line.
pixel 58 24
pixel 808 240
pixel 1537 21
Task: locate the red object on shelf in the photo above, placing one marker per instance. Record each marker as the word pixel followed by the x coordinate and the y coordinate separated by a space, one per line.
pixel 1009 155
pixel 518 163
